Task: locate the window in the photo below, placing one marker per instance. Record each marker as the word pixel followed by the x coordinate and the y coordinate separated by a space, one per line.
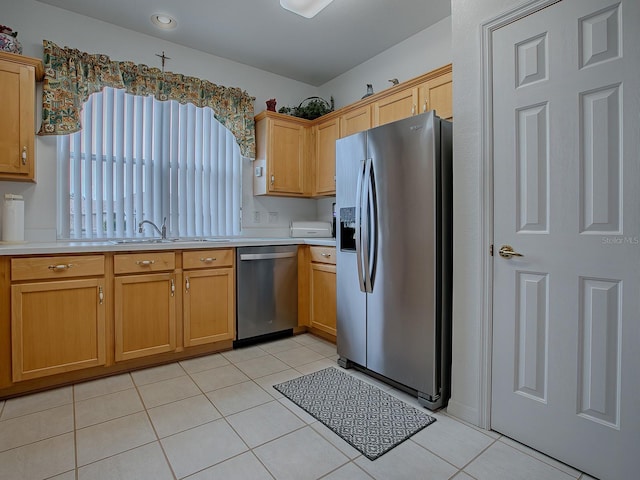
pixel 138 158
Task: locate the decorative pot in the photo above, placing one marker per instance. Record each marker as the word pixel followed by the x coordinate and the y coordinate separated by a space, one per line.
pixel 9 43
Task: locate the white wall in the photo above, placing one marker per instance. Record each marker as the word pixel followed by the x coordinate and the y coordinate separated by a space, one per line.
pixel 421 53
pixel 467 18
pixel 36 21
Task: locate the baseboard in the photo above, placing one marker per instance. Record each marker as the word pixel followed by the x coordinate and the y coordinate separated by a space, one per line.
pixel 464 412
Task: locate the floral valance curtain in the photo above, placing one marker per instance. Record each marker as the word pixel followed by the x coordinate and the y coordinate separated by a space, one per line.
pixel 72 76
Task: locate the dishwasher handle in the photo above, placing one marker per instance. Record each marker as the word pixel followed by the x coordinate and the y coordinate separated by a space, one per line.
pixel 267 256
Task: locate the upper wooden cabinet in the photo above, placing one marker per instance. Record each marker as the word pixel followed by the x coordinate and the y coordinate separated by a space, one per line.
pixel 355 120
pixel 18 76
pixel 281 155
pixel 401 104
pixel 436 94
pixel 296 157
pixel 326 134
pixel 432 91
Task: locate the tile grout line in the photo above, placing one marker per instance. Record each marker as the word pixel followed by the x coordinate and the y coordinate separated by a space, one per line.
pixel 543 459
pixel 495 440
pixel 153 427
pixel 75 432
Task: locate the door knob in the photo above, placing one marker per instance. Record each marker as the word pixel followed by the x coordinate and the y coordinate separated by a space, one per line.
pixel 507 251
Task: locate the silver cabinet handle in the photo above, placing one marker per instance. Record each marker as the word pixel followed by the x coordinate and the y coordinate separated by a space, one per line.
pixel 208 259
pixel 187 285
pixel 326 255
pixel 61 267
pixel 273 179
pixel 100 295
pixel 24 155
pixel 145 263
pixel 173 287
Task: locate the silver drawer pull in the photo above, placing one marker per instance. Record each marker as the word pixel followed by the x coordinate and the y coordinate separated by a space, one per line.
pixel 60 268
pixel 145 263
pixel 208 259
pixel 326 255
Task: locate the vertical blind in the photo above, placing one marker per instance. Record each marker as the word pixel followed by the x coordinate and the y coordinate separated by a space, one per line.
pixel 137 159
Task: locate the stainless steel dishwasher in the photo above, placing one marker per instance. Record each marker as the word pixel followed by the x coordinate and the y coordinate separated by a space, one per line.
pixel 267 292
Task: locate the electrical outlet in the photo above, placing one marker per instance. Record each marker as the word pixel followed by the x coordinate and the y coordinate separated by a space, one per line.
pixel 273 217
pixel 256 216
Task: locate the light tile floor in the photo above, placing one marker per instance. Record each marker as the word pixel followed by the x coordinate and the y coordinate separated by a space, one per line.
pixel 219 417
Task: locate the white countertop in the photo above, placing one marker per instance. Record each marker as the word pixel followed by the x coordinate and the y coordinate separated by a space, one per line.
pixel 35 248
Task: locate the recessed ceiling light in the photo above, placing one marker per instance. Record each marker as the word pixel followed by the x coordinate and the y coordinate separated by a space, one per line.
pixel 305 8
pixel 161 20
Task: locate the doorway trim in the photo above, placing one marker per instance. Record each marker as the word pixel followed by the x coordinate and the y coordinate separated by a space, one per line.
pixel 486 188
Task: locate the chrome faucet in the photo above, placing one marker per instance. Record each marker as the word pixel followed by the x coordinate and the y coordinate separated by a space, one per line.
pixel 163 232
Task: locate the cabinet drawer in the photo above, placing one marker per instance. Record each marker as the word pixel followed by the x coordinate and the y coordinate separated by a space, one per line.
pixel 323 255
pixel 221 257
pixel 42 268
pixel 144 262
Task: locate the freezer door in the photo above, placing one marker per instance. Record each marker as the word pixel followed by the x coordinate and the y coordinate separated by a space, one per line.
pixel 351 300
pixel 402 324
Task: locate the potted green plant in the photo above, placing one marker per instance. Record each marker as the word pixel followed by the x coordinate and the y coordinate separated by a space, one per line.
pixel 310 108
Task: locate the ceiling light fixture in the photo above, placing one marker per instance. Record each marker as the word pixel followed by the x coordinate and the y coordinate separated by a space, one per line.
pixel 305 8
pixel 161 20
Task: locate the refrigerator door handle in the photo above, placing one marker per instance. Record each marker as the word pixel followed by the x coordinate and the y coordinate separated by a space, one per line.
pixel 372 233
pixel 366 238
pixel 358 230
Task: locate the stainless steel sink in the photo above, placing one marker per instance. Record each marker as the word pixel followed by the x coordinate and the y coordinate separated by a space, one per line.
pixel 146 241
pixel 137 241
pixel 200 239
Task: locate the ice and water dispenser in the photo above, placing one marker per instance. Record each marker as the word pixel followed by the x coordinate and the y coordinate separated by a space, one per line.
pixel 347 229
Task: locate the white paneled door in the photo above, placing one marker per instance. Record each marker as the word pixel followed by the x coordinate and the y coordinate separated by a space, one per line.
pixel 566 314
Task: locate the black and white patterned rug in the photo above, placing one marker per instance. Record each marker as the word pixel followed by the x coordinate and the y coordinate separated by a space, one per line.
pixel 369 419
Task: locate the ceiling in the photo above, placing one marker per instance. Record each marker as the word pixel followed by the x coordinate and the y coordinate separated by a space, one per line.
pixel 262 34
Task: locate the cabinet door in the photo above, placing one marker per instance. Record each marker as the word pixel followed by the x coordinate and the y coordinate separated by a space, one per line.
pixel 286 157
pixel 209 307
pixel 17 91
pixel 145 315
pixel 354 121
pixel 325 158
pixel 396 106
pixel 437 94
pixel 57 327
pixel 323 297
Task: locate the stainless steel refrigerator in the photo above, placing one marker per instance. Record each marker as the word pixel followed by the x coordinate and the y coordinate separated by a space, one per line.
pixel 394 207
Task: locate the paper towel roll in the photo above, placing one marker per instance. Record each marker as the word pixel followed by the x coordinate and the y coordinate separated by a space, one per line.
pixel 13 218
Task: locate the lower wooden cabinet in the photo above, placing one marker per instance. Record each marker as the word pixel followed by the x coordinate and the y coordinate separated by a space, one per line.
pixel 144 304
pixel 322 287
pixel 57 321
pixel 57 327
pixel 209 299
pixel 65 318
